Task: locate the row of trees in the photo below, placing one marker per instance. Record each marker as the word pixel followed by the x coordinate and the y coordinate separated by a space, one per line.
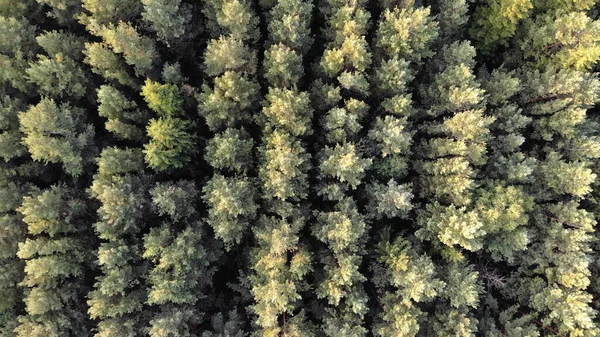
pixel 299 168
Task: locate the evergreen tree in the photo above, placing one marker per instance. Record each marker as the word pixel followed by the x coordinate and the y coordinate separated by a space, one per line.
pixel 117 301
pixel 124 117
pixel 181 261
pixel 497 22
pixel 282 260
pixel 342 166
pixel 58 134
pixel 55 259
pixel 171 141
pixel 567 40
pixel 226 103
pixel 137 50
pixel 170 19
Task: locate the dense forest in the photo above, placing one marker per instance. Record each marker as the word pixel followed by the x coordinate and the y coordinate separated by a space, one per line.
pixel 299 168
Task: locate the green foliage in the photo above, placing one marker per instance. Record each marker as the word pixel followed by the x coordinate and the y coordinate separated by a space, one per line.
pixel 107 64
pixel 392 77
pixel 451 226
pixel 287 110
pixel 61 42
pixel 57 134
pixel 563 177
pixel 232 205
pixel 175 200
pixel 342 124
pixel 391 200
pixel 172 73
pixel 230 150
pixel 283 66
pixel 495 23
pixel 178 273
pixel 59 76
pixel 13 72
pixel 345 164
pixel 280 265
pixel 139 51
pixel 10 136
pixel 289 24
pixel 62 10
pixel 164 99
pixel 567 41
pixel 565 6
pixel 229 54
pixel 424 169
pixel 171 143
pixel 348 49
pixel 101 12
pixel 462 286
pixel 453 322
pixel 222 327
pixel 231 17
pixel 455 88
pixel 19 35
pixel 54 265
pixel 452 18
pixel 121 192
pixel 122 113
pixel 284 169
pixel 227 103
pixel 504 214
pixel 407 33
pixel 169 19
pixel 391 136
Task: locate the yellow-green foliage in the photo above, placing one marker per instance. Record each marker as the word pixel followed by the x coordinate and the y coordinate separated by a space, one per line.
pixel 495 23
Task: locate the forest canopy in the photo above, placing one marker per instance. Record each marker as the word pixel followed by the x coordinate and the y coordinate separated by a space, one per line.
pixel 299 168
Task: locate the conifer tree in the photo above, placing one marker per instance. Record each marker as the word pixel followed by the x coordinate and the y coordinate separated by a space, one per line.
pixel 55 259
pixel 12 228
pixel 556 101
pixel 181 260
pixel 107 64
pixel 102 12
pixel 226 102
pixel 496 22
pixel 123 115
pixel 138 51
pixel 403 41
pixel 342 166
pixel 16 48
pixel 117 301
pixel 58 134
pixel 170 19
pixel 282 260
pixel 562 40
pixel 171 140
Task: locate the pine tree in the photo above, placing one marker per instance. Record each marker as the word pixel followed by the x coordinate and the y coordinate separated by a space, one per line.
pixel 171 141
pixel 12 228
pixel 180 260
pixel 497 22
pixel 556 100
pixel 137 50
pixel 123 115
pixel 170 19
pixel 58 134
pixel 55 259
pixel 117 301
pixel 282 261
pixel 567 40
pixel 226 103
pixel 339 100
